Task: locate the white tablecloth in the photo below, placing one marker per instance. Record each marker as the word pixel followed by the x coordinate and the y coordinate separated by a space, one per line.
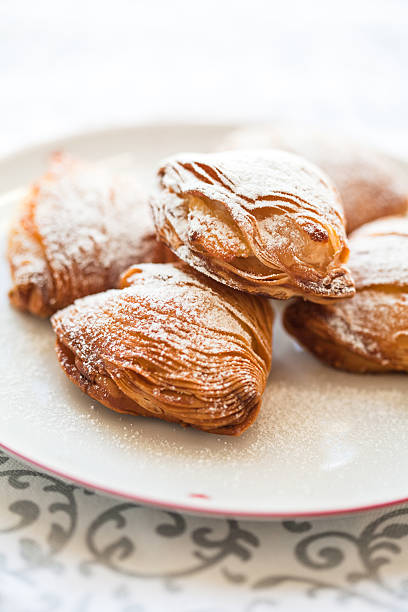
pixel 68 66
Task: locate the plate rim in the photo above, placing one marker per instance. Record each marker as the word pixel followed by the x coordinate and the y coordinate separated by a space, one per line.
pixel 193 508
pixel 105 128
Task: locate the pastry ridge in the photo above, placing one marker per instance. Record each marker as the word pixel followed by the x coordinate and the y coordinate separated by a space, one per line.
pixel 265 222
pixel 78 228
pixel 371 184
pixel 368 333
pixel 170 344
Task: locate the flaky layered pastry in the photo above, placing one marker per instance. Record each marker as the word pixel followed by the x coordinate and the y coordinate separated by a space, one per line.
pixel 368 333
pixel 79 228
pixel 371 184
pixel 170 344
pixel 265 222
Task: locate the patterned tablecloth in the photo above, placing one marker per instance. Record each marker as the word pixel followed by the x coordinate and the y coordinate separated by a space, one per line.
pixel 67 66
pixel 65 548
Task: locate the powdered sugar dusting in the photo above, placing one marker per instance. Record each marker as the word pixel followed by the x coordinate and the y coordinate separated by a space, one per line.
pixel 252 176
pixel 374 323
pixel 170 344
pixel 152 305
pixel 316 426
pixel 80 227
pixel 371 185
pixel 379 260
pixel 265 222
pixel 324 439
pixel 84 218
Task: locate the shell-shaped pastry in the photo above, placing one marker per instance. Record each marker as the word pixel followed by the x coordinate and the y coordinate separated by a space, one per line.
pixel 368 333
pixel 371 184
pixel 79 227
pixel 265 222
pixel 170 344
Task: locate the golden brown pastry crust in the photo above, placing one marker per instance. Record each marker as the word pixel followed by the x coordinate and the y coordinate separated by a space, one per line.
pixel 371 185
pixel 368 333
pixel 171 344
pixel 79 228
pixel 265 222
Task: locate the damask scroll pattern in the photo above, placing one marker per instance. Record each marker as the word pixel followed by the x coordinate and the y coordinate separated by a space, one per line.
pixel 61 530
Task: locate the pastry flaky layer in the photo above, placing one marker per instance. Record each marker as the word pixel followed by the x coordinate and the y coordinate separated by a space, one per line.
pixel 265 222
pixel 78 229
pixel 368 333
pixel 170 344
pixel 371 184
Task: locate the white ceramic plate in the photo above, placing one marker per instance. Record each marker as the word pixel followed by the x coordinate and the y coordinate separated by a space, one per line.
pixel 325 441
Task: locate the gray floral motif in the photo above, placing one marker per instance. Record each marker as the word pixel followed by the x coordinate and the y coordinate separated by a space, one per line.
pixel 297 526
pixel 41 516
pixel 374 545
pixel 62 507
pixel 209 550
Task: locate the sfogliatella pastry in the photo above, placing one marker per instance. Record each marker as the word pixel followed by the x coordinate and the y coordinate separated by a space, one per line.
pixel 265 222
pixel 79 228
pixel 368 333
pixel 371 184
pixel 170 344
